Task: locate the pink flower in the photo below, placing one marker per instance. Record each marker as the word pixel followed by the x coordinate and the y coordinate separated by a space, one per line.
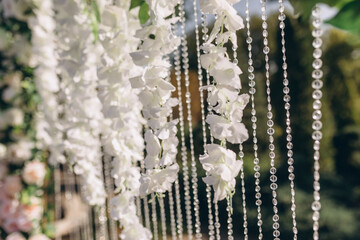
pixel 10 226
pixel 39 237
pixel 12 185
pixel 23 223
pixel 8 208
pixel 15 236
pixel 34 172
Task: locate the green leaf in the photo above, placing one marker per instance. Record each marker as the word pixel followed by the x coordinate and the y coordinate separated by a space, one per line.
pixel 304 7
pixel 136 3
pixel 348 18
pixel 95 10
pixel 144 13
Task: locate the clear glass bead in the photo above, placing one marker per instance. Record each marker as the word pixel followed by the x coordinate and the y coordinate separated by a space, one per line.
pixel 317 125
pixel 317 53
pixel 317 104
pixel 317 94
pixel 317 63
pixel 276 233
pixel 317 84
pixel 317 115
pixel 316 206
pixel 317 74
pixel 266 50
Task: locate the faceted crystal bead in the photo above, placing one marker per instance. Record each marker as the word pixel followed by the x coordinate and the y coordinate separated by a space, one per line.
pixel 317 74
pixel 317 63
pixel 317 53
pixel 317 94
pixel 317 84
pixel 316 206
pixel 317 104
pixel 317 115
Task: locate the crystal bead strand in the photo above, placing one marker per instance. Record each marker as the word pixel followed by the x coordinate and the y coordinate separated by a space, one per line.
pixel 270 124
pixel 154 217
pixel 57 192
pixel 162 218
pixel 202 107
pixel 102 223
pixel 209 108
pixel 217 222
pixel 179 215
pixel 172 214
pixel 138 209
pixel 252 91
pixel 145 199
pixel 317 84
pixel 176 227
pixel 183 147
pixel 194 179
pixel 69 194
pixel 286 92
pixel 88 223
pixel 242 177
pixel 229 222
pixel 109 185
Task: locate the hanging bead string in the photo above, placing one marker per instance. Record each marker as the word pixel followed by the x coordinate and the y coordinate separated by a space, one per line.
pixel 242 177
pixel 217 222
pixel 252 91
pixel 270 124
pixel 229 222
pixel 172 214
pixel 171 197
pixel 68 181
pixel 145 199
pixel 57 192
pixel 138 209
pixel 317 84
pixel 203 123
pixel 194 180
pixel 103 234
pixel 154 217
pixel 89 224
pixel 179 224
pixel 183 147
pixel 286 92
pixel 217 225
pixel 163 218
pixel 109 187
pixel 179 215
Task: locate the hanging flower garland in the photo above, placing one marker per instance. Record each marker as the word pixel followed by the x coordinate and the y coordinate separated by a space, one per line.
pixel 122 131
pixel 223 96
pixel 22 167
pixel 83 117
pixel 49 131
pixel 158 41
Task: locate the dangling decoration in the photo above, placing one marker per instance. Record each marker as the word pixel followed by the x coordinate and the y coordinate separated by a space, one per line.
pixel 102 70
pixel 289 137
pixel 82 118
pixel 224 99
pixel 270 124
pixel 317 84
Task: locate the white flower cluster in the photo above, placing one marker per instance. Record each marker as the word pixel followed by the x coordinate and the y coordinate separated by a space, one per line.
pixel 158 41
pixel 42 27
pixel 82 115
pixel 223 96
pixel 122 130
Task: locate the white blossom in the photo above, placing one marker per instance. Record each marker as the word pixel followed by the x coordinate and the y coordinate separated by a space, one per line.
pixel 227 105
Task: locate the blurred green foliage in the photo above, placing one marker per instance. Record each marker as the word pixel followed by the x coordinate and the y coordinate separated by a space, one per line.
pixel 347 18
